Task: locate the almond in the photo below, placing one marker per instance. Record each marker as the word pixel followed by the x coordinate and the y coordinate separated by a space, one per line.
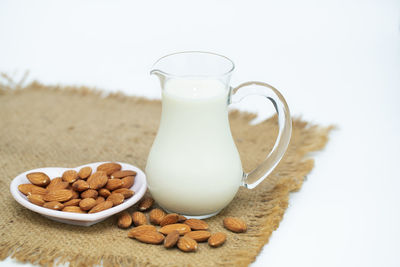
pixel 187 244
pixel 182 218
pixel 235 225
pixel 116 198
pixel 27 189
pixel 97 180
pixel 216 239
pixel 149 237
pixel 145 203
pixel 80 185
pixel 99 200
pixel 124 220
pixel 89 193
pixel 36 199
pixel 122 174
pixel 73 209
pixel 70 176
pixel 104 192
pixel 109 167
pixel 102 206
pixel 156 215
pixel 127 193
pixel 59 195
pixel 199 236
pixel 169 219
pixel 72 202
pixel 180 227
pixel 54 205
pixel 85 172
pixel 139 218
pixel 196 224
pixel 145 227
pixel 75 194
pixel 38 178
pixel 87 203
pixel 171 239
pixel 113 184
pixel 57 183
pixel 128 181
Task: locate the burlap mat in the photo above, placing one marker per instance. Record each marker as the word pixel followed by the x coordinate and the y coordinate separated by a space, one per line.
pixel 44 126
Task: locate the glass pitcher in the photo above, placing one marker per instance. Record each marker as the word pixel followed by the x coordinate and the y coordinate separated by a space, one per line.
pixel 193 167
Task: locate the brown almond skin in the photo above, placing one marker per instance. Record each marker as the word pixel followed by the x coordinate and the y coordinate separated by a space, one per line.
pixel 196 224
pixel 38 178
pixel 145 203
pixel 72 202
pixel 70 176
pixel 54 205
pixel 116 198
pixel 36 199
pixel 87 203
pixel 187 244
pixel 217 239
pixel 104 192
pixel 99 200
pixel 128 181
pixel 182 218
pixel 156 215
pixel 150 237
pixel 127 193
pixel 75 209
pixel 122 174
pixel 57 183
pixel 75 194
pixel 235 225
pixel 102 206
pixel 109 167
pixel 169 219
pixel 27 189
pixel 124 220
pixel 85 172
pixel 90 193
pixel 139 218
pixel 97 180
pixel 171 239
pixel 145 227
pixel 180 227
pixel 80 185
pixel 113 184
pixel 199 236
pixel 59 195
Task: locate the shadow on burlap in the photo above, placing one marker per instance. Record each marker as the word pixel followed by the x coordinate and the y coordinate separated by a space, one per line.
pixel 43 126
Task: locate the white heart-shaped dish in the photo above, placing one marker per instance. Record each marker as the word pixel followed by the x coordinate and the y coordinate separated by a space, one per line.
pixel 139 188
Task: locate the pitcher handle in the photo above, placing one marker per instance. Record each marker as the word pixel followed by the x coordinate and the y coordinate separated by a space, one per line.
pixel 256 176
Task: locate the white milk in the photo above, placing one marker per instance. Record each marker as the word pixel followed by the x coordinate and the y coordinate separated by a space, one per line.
pixel 194 167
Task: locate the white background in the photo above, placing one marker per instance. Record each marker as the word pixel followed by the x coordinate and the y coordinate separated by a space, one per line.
pixel 336 62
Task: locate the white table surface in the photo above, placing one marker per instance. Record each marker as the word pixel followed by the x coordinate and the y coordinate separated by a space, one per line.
pixel 336 62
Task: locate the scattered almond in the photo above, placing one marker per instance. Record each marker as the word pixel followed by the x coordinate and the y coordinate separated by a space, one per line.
pixel 180 227
pixel 127 193
pixel 149 237
pixel 99 200
pixel 54 205
pixel 38 178
pixel 87 203
pixel 145 203
pixel 235 225
pixel 72 202
pixel 169 219
pixel 171 239
pixel 124 220
pixel 196 224
pixel 116 198
pixel 139 218
pixel 102 206
pixel 36 199
pixel 70 176
pixel 80 185
pixel 216 239
pixel 57 183
pixel 127 181
pixel 156 215
pixel 145 227
pixel 85 172
pixel 113 184
pixel 109 167
pixel 89 193
pixel 73 209
pixel 199 236
pixel 60 195
pixel 97 180
pixel 122 174
pixel 27 189
pixel 187 244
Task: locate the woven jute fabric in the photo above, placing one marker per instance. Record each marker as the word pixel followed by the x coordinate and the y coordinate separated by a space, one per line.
pixel 43 126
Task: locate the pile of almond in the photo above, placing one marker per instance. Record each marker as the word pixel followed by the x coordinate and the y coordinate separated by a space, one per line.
pixel 174 229
pixel 83 191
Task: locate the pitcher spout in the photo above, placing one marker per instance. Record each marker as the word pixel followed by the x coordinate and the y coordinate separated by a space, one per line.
pixel 160 74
